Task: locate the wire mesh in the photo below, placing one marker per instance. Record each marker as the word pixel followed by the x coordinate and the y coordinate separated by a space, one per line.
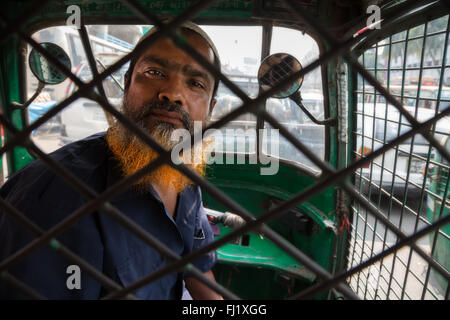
pixel 362 207
pixel 399 181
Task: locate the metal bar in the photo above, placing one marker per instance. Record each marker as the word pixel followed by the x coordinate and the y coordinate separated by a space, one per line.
pixel 66 223
pixel 115 66
pixel 250 223
pixel 85 89
pixel 90 57
pixel 405 55
pixel 383 157
pixel 372 162
pixel 360 69
pixel 433 246
pixel 170 255
pixel 276 212
pixel 348 188
pixel 152 19
pixel 70 220
pixel 170 27
pixel 313 290
pixel 387 222
pixel 405 194
pixel 407 68
pixel 431 34
pixel 360 168
pixel 402 151
pixel 252 104
pixel 37 231
pixel 398 105
pixel 18 23
pixel 394 122
pixel 19 285
pixel 396 151
pixel 60 248
pixel 200 181
pixel 448 291
pixel 93 65
pixel 429 148
pixel 112 76
pixel 406 207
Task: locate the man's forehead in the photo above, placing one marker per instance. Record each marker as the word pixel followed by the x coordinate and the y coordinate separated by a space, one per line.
pixel 167 54
pixel 193 39
pixel 189 28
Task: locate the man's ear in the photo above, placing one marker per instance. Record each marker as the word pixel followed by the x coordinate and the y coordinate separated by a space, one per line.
pixel 125 81
pixel 211 106
pixel 127 78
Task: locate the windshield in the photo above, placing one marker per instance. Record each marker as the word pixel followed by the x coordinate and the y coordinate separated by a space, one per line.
pixel 240 53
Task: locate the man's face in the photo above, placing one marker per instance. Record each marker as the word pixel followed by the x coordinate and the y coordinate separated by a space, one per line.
pixel 169 87
pixel 168 90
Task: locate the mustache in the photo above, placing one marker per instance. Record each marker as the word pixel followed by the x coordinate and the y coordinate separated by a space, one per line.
pixel 147 109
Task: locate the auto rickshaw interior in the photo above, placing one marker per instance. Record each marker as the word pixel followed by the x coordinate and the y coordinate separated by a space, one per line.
pixel 332 109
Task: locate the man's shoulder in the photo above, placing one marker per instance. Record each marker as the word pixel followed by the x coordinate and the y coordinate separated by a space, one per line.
pixel 81 158
pixel 87 151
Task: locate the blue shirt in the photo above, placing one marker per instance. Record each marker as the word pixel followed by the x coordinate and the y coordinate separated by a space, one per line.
pixel 46 199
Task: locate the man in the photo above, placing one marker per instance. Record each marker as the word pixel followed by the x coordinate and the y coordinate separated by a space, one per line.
pixel 165 89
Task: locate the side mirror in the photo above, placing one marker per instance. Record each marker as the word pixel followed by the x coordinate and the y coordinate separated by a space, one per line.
pixel 279 66
pixel 44 71
pixel 274 69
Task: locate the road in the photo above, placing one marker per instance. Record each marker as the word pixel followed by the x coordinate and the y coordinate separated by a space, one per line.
pixel 394 267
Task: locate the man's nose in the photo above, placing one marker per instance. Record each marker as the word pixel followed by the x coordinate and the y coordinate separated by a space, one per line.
pixel 172 92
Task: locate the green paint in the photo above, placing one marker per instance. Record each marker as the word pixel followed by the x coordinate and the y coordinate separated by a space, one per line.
pixel 10 91
pixel 437 210
pixel 252 191
pixel 55 244
pixel 116 9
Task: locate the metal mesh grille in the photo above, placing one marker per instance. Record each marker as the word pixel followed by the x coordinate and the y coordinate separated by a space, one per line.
pixel 329 177
pixel 412 66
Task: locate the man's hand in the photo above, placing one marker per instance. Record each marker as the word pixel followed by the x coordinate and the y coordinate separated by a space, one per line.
pixel 200 291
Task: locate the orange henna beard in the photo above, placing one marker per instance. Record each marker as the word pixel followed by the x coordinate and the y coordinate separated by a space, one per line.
pixel 134 155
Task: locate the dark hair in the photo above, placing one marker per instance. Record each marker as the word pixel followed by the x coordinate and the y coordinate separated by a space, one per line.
pixel 135 58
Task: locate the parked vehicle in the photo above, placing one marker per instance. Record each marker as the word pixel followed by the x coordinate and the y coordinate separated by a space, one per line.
pixel 85 117
pixel 397 169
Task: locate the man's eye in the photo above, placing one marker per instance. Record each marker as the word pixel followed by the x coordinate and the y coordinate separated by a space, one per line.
pixel 198 84
pixel 154 72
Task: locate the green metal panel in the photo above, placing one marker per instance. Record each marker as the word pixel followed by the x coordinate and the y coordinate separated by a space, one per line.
pixel 9 66
pixel 438 206
pixel 56 10
pixel 247 187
